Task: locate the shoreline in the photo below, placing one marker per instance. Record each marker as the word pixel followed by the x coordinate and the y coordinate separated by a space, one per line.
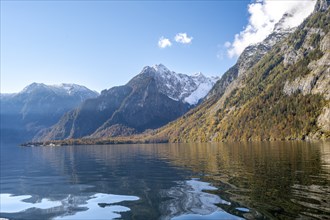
pixel 77 142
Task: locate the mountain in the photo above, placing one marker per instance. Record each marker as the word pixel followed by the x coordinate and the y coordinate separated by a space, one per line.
pixel 38 106
pixel 278 92
pixel 180 87
pixel 150 100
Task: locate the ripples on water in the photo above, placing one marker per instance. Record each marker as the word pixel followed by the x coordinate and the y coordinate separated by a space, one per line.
pixel 253 181
pixel 188 197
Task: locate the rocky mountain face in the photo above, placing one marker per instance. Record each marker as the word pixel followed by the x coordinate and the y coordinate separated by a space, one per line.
pixel 278 89
pixel 38 106
pixel 150 100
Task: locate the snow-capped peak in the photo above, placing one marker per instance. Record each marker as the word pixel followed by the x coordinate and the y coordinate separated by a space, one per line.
pixel 180 87
pixel 160 68
pixel 70 88
pixel 61 89
pixel 198 74
pixel 32 87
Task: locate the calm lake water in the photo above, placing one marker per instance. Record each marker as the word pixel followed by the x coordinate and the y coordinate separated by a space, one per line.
pixel 166 181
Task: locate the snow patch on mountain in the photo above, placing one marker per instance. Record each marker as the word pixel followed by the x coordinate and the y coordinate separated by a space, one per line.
pixel 201 91
pixel 70 88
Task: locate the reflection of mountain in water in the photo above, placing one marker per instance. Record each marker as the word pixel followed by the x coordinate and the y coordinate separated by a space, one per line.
pixel 97 206
pixel 269 178
pixel 188 198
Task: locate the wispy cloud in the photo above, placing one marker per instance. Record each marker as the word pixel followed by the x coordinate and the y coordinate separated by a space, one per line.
pixel 264 14
pixel 164 42
pixel 183 38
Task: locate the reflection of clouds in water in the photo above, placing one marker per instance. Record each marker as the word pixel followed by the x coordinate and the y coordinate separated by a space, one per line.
pixel 14 204
pixel 242 209
pixel 188 201
pixel 97 206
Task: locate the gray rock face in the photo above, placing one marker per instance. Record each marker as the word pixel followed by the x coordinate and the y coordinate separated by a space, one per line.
pixel 325 43
pixel 303 85
pixel 317 81
pixel 293 54
pixel 321 5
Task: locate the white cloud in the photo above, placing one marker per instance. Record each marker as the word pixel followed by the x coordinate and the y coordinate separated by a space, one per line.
pixel 183 38
pixel 164 42
pixel 264 14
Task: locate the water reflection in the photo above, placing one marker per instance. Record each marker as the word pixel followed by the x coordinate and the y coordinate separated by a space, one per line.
pixel 251 180
pixel 13 204
pixel 97 206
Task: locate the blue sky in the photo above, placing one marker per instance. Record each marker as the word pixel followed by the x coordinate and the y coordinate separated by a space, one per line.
pixel 101 44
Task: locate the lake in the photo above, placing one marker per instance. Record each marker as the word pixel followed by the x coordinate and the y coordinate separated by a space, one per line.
pixel 166 181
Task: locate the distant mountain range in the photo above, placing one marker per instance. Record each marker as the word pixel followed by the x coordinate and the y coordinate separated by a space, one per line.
pixel 150 100
pixel 38 106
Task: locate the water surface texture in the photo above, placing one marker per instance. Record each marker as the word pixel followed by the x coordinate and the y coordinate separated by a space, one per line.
pixel 166 181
